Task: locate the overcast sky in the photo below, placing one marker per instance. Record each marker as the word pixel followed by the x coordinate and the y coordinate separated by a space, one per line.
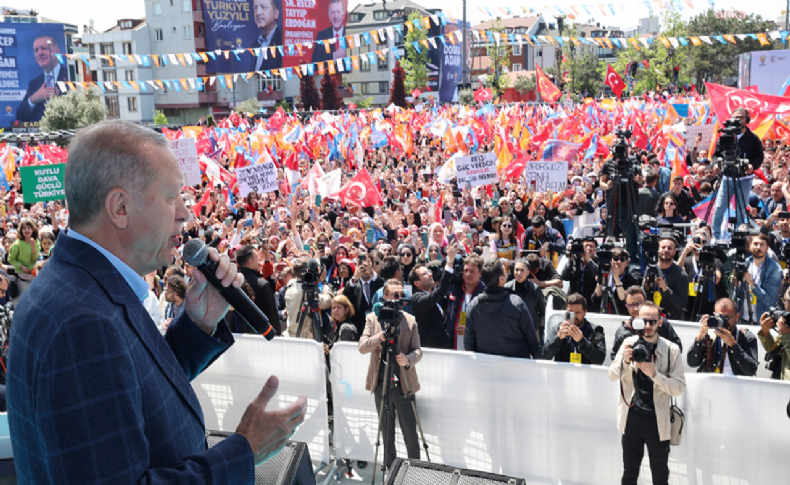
pixel 105 14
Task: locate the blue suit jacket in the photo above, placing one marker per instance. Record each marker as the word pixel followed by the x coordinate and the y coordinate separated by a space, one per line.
pixel 97 395
pixel 24 112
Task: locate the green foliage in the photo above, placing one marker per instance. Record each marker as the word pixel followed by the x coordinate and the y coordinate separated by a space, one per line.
pixel 525 83
pixel 582 64
pixel 363 103
pixel 159 117
pixel 415 64
pixel 466 96
pixel 73 110
pixel 500 61
pixel 251 105
pixel 210 121
pixel 282 104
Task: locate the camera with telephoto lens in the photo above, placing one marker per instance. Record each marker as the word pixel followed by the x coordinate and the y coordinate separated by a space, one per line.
pixel 576 247
pixel 642 349
pixel 739 243
pixel 727 150
pixel 310 277
pixel 717 320
pixel 777 313
pixel 627 167
pixel 650 255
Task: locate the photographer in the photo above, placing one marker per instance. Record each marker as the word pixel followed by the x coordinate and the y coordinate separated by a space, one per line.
pixel 461 294
pixel 294 296
pixel 531 294
pixel 748 146
pixel 777 346
pixel 408 341
pixel 764 276
pixel 619 279
pixel 634 298
pixel 734 350
pixel 576 340
pixel 671 283
pixel 499 323
pixel 696 272
pixel 547 240
pixel 426 299
pixel 649 384
pixel 582 270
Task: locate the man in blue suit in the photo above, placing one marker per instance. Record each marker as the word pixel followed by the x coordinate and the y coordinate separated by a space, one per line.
pixel 40 89
pixel 336 13
pixel 95 393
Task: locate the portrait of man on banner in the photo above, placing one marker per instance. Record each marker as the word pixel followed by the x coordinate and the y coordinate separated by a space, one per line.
pixel 267 19
pixel 44 86
pixel 336 12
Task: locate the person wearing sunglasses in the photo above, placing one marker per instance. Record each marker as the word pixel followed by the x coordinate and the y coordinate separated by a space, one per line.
pixel 649 386
pixel 546 239
pixel 668 213
pixel 618 280
pixel 506 245
pixel 634 298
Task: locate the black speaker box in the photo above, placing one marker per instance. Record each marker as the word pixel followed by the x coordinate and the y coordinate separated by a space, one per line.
pixel 415 472
pixel 291 466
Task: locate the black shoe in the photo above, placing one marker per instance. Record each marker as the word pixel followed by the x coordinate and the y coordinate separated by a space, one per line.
pixel 362 464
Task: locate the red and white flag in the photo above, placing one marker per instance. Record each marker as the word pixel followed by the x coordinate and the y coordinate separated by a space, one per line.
pixel 361 191
pixel 614 81
pixel 485 94
pixel 515 168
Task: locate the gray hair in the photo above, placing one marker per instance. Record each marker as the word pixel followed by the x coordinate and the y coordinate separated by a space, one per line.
pixel 104 157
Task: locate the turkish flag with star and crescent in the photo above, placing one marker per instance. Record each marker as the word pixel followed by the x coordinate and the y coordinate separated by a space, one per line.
pixel 548 91
pixel 725 100
pixel 484 94
pixel 361 191
pixel 614 81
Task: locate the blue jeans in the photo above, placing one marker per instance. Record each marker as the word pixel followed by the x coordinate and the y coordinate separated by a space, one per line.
pixel 727 192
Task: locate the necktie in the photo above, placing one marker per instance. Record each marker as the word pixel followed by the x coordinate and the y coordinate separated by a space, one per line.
pixel 366 290
pixel 49 80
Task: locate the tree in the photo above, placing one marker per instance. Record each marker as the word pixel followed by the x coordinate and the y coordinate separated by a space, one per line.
pixel 73 110
pixel 309 94
pixel 415 64
pixel 466 97
pixel 363 103
pixel 159 117
pixel 251 105
pixel 500 61
pixel 398 89
pixel 580 62
pixel 329 97
pixel 525 83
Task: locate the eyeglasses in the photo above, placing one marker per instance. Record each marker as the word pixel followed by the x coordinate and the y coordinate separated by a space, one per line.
pixel 619 260
pixel 669 204
pixel 396 296
pixel 405 255
pixel 634 305
pixel 506 225
pixel 650 321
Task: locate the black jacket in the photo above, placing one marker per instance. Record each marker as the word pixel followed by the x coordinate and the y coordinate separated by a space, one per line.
pixel 264 298
pixel 430 321
pixel 616 305
pixel 592 346
pixel 685 202
pixel 534 299
pixel 648 199
pixel 743 357
pixel 665 330
pixel 584 285
pixel 673 301
pixel 499 323
pixel 356 295
pixel 751 148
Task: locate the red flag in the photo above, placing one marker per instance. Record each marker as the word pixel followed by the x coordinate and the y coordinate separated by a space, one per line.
pixel 614 81
pixel 416 93
pixel 484 94
pixel 439 205
pixel 725 100
pixel 639 138
pixel 203 201
pixel 515 168
pixel 548 91
pixel 171 134
pixel 291 162
pixel 361 191
pixel 54 154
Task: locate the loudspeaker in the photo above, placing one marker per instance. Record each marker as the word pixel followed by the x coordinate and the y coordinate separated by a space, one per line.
pixel 291 466
pixel 415 472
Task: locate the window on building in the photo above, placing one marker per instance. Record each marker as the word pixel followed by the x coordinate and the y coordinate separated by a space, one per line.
pixel 383 64
pixel 92 50
pixel 160 35
pixel 354 17
pixel 109 76
pixel 157 8
pixel 364 63
pixel 94 76
pixel 273 83
pixel 130 75
pixel 201 31
pixel 516 67
pixel 131 103
pixel 186 5
pixel 112 106
pixel 540 53
pixel 384 87
pixel 126 24
pixel 187 31
pixel 127 48
pixel 517 50
pixel 365 88
pixel 381 15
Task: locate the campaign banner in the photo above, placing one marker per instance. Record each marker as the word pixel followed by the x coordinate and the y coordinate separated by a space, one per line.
pixel 543 176
pixel 476 170
pixel 30 73
pixel 260 178
pixel 769 70
pixel 186 152
pixel 43 182
pixel 451 65
pixel 280 33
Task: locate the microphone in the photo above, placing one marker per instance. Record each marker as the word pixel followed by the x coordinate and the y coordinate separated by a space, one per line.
pixel 377 308
pixel 196 254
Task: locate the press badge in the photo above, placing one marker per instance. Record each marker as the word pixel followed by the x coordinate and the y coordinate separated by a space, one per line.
pixel 754 298
pixel 657 297
pixel 462 319
pixel 576 358
pixel 692 289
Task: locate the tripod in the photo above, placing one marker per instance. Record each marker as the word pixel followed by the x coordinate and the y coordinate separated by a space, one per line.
pixel 391 351
pixel 744 289
pixel 608 294
pixel 703 288
pixel 621 218
pixel 309 309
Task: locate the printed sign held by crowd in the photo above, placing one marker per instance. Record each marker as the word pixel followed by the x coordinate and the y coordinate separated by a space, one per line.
pixel 186 152
pixel 476 170
pixel 543 176
pixel 260 178
pixel 43 182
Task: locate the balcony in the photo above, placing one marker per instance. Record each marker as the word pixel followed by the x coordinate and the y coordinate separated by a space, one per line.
pixel 207 98
pixel 201 70
pixel 200 43
pixel 273 96
pixel 197 16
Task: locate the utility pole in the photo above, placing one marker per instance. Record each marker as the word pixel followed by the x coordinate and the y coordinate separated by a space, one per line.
pixel 787 15
pixel 464 47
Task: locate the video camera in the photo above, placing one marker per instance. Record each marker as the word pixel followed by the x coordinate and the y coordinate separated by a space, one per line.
pixel 727 150
pixel 642 350
pixel 310 277
pixel 388 314
pixel 739 243
pixel 604 254
pixel 627 166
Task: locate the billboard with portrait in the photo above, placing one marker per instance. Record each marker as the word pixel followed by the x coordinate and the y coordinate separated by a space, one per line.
pixel 277 31
pixel 30 72
pixel 451 64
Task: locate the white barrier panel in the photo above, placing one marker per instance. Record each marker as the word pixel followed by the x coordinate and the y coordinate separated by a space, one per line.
pixel 687 331
pixel 232 382
pixel 556 423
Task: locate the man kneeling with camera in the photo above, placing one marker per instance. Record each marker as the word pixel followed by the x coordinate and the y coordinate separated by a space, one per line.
pixel 733 351
pixel 388 326
pixel 650 374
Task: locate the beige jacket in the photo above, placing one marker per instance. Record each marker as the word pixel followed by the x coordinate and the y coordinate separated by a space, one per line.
pixel 664 386
pixel 408 342
pixel 293 303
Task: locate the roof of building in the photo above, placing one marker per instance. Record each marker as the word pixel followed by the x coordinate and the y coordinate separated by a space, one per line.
pixel 136 25
pixel 510 23
pixel 398 10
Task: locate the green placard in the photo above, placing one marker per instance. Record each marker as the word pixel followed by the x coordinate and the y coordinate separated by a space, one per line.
pixel 43 182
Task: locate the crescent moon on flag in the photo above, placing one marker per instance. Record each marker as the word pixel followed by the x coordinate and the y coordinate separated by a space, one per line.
pixel 362 189
pixel 611 78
